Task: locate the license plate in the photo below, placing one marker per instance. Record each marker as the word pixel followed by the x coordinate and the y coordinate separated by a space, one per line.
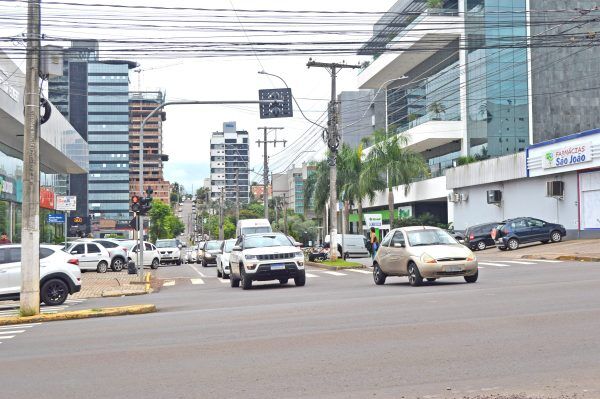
pixel 453 268
pixel 277 267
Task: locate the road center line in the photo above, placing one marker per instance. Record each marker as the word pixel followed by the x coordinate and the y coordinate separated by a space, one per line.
pixel 518 262
pixel 359 271
pixel 493 264
pixel 335 273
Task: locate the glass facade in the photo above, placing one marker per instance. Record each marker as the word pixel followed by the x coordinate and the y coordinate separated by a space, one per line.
pixel 497 89
pixel 298 193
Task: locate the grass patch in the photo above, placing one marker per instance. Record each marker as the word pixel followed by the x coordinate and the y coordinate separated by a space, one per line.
pixel 96 310
pixel 341 263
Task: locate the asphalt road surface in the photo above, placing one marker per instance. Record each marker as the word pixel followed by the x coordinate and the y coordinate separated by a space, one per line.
pixel 531 327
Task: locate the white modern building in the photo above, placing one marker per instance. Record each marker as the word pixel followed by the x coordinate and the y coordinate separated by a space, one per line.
pixel 229 161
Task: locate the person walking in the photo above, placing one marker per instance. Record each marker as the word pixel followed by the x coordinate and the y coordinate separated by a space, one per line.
pixel 4 239
pixel 374 242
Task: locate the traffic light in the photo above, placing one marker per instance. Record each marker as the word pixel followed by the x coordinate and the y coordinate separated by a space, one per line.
pixel 135 204
pixel 146 205
pixel 280 109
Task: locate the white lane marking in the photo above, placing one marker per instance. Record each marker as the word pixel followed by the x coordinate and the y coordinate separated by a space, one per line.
pixel 223 280
pixel 12 332
pixel 20 326
pixel 480 267
pixel 198 271
pixel 335 273
pixel 7 336
pixel 308 275
pixel 493 264
pixel 169 283
pixel 197 281
pixel 359 271
pixel 518 262
pixel 546 260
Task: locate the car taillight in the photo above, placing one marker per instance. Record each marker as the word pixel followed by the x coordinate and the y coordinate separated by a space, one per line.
pixel 505 231
pixel 471 236
pixel 493 234
pixel 73 261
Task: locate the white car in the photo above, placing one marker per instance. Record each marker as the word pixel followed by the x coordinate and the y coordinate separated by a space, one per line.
pixel 59 274
pixel 263 257
pixel 91 256
pixel 223 258
pixel 170 251
pixel 151 254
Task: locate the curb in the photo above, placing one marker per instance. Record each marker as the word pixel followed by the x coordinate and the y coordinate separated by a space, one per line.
pixel 564 257
pixel 118 293
pixel 328 267
pixel 79 314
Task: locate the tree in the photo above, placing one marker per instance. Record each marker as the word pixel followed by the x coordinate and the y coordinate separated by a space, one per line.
pixel 403 165
pixel 437 108
pixel 316 190
pixel 163 223
pixel 358 180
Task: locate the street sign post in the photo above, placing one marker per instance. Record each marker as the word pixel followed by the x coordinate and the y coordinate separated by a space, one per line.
pixel 66 203
pixel 56 218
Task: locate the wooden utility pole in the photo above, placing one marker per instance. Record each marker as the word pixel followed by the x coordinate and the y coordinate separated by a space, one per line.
pixel 333 142
pixel 30 230
pixel 265 143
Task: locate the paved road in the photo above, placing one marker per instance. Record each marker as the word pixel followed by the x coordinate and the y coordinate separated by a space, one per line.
pixel 531 328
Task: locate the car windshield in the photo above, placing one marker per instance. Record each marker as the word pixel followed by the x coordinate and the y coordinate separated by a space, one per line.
pixel 429 237
pixel 256 230
pixel 267 240
pixel 166 243
pixel 228 245
pixel 212 245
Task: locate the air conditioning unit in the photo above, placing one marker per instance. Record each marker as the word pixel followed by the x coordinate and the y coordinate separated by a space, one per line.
pixel 494 196
pixel 555 189
pixel 453 197
pixel 464 197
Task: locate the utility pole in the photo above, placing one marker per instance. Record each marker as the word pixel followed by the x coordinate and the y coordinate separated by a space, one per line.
pixel 265 142
pixel 285 224
pixel 30 231
pixel 222 203
pixel 237 197
pixel 333 142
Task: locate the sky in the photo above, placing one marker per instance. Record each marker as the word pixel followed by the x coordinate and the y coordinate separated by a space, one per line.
pixel 187 130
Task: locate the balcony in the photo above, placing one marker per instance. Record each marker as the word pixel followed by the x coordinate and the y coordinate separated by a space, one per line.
pixel 427 33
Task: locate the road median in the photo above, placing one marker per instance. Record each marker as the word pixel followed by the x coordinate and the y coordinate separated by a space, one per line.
pixel 338 265
pixel 79 314
pixel 576 258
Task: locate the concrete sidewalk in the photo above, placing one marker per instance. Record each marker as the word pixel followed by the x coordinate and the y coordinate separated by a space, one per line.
pixel 578 250
pixel 96 285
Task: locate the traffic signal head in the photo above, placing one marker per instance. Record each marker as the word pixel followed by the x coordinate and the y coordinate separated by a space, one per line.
pixel 145 205
pixel 281 107
pixel 136 205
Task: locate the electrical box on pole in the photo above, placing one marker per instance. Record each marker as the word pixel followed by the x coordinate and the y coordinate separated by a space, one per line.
pixel 281 107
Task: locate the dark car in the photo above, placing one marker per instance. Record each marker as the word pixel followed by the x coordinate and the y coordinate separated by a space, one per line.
pixel 513 232
pixel 210 251
pixel 479 237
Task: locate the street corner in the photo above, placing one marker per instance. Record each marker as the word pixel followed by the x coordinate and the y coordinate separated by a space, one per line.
pixel 80 314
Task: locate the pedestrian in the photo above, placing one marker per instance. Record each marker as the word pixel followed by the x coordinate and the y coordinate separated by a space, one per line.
pixel 4 239
pixel 374 242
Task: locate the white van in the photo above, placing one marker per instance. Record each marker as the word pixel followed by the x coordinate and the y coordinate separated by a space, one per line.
pixel 351 245
pixel 251 226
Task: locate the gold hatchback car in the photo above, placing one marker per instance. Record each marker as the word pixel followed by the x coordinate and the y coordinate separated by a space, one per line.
pixel 423 253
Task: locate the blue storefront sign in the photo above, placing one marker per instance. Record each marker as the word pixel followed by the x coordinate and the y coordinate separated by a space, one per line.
pixel 57 218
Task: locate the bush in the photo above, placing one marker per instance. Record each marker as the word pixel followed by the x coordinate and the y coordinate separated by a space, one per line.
pixel 425 219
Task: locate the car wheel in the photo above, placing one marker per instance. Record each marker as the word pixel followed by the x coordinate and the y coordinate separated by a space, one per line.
pixel 555 236
pixel 102 267
pixel 203 263
pixel 481 246
pixel 155 263
pixel 178 263
pixel 513 244
pixel 225 276
pixel 54 292
pixel 431 280
pixel 234 281
pixel 300 279
pixel 378 275
pixel 218 273
pixel 473 278
pixel 414 276
pixel 245 281
pixel 117 265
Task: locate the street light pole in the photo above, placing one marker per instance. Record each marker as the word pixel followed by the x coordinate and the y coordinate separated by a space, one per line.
pixel 30 230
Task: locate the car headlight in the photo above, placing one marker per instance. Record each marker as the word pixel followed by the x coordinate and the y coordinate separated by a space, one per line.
pixel 426 258
pixel 209 255
pixel 251 257
pixel 299 254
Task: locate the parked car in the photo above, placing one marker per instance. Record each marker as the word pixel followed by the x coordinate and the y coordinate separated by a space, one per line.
pixel 91 256
pixel 116 250
pixel 151 254
pixel 223 268
pixel 423 253
pixel 354 245
pixel 199 251
pixel 511 233
pixel 59 274
pixel 170 251
pixel 479 237
pixel 263 257
pixel 210 251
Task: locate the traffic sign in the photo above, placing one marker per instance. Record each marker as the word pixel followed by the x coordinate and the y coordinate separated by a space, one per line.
pixel 66 203
pixel 56 218
pixel 281 107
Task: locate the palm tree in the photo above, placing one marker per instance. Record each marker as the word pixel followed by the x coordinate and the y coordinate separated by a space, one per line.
pixel 358 181
pixel 403 165
pixel 316 191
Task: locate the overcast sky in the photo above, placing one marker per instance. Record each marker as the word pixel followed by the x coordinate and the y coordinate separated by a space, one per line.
pixel 188 128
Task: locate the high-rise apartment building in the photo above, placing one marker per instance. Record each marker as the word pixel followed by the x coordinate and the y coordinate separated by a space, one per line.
pixel 93 95
pixel 140 106
pixel 229 161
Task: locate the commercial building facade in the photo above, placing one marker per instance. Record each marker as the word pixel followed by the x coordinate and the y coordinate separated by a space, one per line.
pixel 62 152
pixel 229 162
pixel 290 187
pixel 361 113
pixel 475 80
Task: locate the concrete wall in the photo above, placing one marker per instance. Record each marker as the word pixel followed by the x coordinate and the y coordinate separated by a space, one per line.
pixel 489 171
pixel 522 197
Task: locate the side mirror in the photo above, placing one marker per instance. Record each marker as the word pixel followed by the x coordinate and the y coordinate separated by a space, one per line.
pixel 298 244
pixel 236 248
pixel 180 246
pixel 398 245
pixel 73 252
